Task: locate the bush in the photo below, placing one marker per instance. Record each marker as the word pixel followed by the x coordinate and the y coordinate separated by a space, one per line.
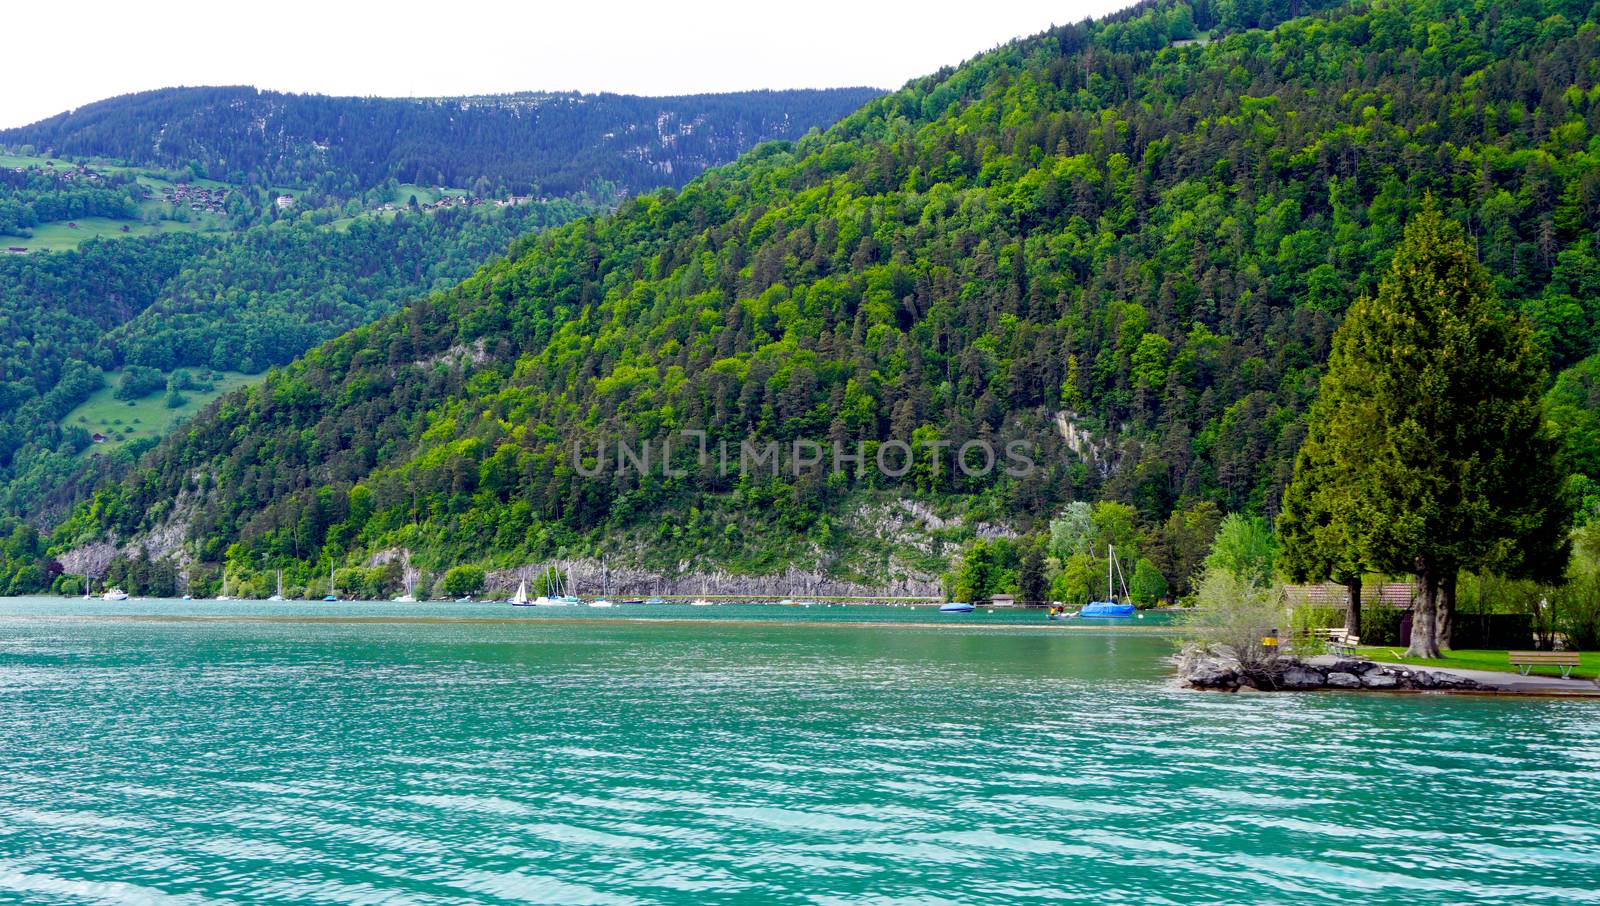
pixel 463 580
pixel 1233 613
pixel 139 381
pixel 1579 606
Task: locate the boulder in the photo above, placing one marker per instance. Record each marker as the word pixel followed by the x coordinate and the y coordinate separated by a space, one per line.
pixel 1379 679
pixel 1341 680
pixel 1452 681
pixel 1301 677
pixel 1209 674
pixel 1335 664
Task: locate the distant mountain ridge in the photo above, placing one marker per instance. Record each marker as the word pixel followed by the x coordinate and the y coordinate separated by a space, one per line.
pixel 556 143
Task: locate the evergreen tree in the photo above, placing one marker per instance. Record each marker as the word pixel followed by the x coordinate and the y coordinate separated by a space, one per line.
pixel 1432 452
pixel 1312 545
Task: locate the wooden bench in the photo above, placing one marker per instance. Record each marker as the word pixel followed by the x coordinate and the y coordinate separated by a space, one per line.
pixel 1525 661
pixel 1340 641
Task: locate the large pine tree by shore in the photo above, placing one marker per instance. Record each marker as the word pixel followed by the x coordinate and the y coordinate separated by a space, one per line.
pixel 1428 452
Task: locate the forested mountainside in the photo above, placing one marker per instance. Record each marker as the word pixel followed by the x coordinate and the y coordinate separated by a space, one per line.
pixel 307 232
pixel 532 143
pixel 235 302
pixel 1127 241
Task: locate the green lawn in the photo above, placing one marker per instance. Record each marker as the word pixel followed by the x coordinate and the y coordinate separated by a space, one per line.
pixel 56 237
pixel 122 422
pixel 1476 659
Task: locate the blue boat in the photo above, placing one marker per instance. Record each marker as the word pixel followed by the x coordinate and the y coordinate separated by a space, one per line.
pixel 956 607
pixel 1104 609
pixel 1110 608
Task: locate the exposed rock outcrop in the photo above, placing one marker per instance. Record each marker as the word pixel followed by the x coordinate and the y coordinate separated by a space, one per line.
pixel 590 577
pixel 1201 669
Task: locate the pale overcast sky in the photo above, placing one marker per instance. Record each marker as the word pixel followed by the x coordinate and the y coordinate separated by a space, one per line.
pixel 60 57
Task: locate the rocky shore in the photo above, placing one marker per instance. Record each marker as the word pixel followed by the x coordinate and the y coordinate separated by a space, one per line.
pixel 1199 669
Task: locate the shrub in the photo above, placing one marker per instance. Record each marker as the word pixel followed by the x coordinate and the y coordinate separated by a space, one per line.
pixel 139 381
pixel 463 580
pixel 1578 606
pixel 1233 613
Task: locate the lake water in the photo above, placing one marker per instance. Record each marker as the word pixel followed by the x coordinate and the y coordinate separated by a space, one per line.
pixel 226 752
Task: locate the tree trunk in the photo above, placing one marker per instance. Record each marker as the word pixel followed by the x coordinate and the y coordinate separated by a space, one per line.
pixel 1352 610
pixel 1424 631
pixel 1446 617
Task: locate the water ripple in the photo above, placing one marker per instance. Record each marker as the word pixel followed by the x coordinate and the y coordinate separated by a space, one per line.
pixel 678 762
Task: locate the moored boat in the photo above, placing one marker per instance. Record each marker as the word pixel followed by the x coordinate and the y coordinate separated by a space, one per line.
pixel 956 607
pixel 1111 608
pixel 114 594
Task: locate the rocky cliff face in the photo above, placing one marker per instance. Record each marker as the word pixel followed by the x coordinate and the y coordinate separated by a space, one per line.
pixel 591 577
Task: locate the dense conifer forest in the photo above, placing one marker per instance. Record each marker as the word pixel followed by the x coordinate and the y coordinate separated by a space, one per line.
pixel 539 143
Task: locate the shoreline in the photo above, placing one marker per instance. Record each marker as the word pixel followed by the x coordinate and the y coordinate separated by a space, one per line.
pixel 401 619
pixel 1207 672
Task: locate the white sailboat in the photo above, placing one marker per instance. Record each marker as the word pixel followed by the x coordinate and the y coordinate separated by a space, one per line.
pixel 701 601
pixel 333 593
pixel 520 599
pixel 224 595
pixel 605 588
pixel 550 595
pixel 279 595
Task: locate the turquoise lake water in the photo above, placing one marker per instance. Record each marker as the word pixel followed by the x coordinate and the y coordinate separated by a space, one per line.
pixel 355 753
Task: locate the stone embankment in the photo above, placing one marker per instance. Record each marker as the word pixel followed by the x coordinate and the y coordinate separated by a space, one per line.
pixel 1207 670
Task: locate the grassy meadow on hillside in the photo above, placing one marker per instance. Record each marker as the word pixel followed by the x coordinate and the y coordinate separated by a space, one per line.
pixel 124 421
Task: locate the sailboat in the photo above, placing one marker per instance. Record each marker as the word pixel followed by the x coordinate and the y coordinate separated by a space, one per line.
pixel 520 599
pixel 224 595
pixel 1110 607
pixel 701 601
pixel 552 596
pixel 567 595
pixel 279 595
pixel 333 593
pixel 605 582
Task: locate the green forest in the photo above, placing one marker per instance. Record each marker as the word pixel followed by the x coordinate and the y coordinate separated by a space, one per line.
pixel 1129 252
pixel 242 302
pixel 555 143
